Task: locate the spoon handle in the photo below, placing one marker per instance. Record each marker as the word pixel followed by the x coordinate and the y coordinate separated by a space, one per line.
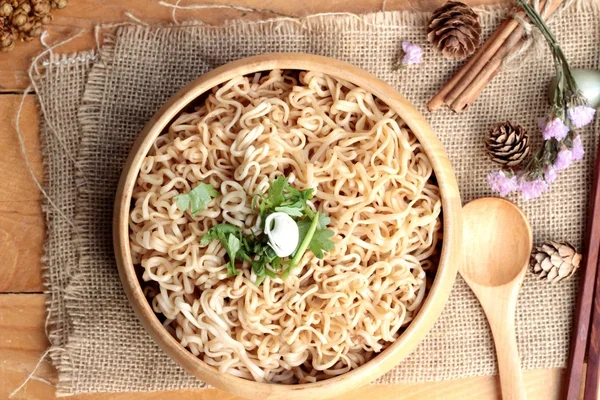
pixel 502 324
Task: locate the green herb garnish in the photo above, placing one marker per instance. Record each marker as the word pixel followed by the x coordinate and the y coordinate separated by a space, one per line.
pixel 313 236
pixel 282 197
pixel 255 249
pixel 196 199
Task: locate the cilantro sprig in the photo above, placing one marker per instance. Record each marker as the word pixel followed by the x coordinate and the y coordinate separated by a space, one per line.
pixel 255 249
pixel 252 249
pixel 282 197
pixel 196 199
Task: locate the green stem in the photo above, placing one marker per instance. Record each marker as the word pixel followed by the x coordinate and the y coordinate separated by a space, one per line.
pixel 559 56
pixel 303 246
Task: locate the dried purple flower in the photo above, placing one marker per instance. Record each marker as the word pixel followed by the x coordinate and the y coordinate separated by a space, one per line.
pixel 564 158
pixel 501 183
pixel 553 128
pixel 532 189
pixel 550 174
pixel 412 53
pixel 581 116
pixel 577 149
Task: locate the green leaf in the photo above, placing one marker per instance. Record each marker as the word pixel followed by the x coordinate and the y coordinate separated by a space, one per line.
pixel 219 231
pixel 276 191
pixel 276 264
pixel 232 247
pixel 324 220
pixel 320 242
pixel 196 199
pixel 292 211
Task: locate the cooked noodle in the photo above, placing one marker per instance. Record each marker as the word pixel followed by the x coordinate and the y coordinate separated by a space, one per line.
pixel 370 176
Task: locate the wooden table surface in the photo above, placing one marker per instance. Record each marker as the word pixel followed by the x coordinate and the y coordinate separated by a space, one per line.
pixel 22 311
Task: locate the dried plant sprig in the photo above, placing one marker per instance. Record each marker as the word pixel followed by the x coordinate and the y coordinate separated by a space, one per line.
pixel 562 146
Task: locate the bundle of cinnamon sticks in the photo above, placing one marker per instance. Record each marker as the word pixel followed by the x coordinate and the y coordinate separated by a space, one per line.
pixel 469 81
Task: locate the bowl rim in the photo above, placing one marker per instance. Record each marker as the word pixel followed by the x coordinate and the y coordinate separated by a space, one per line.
pixel 451 242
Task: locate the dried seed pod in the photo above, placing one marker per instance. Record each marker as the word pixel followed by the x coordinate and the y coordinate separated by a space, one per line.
pixel 36 31
pixel 24 8
pixel 42 8
pixel 59 3
pixel 24 19
pixel 26 27
pixel 6 9
pixel 7 40
pixel 18 19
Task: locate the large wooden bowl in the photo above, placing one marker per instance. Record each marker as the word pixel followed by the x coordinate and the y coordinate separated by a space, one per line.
pixel 440 289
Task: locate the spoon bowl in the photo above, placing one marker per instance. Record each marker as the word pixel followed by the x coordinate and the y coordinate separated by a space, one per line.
pixel 499 241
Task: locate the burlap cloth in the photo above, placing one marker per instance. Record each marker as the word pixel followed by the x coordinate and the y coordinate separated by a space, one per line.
pixel 96 103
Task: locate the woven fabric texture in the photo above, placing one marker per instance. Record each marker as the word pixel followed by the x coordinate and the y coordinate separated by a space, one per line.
pixel 96 109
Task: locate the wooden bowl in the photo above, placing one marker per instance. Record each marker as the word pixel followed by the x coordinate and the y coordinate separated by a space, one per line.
pixel 435 300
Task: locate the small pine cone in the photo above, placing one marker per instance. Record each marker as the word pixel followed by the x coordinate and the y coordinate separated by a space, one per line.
pixel 555 261
pixel 507 144
pixel 454 30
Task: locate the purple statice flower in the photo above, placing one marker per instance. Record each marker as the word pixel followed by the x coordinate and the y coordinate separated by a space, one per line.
pixel 564 158
pixel 412 53
pixel 532 189
pixel 501 183
pixel 580 116
pixel 550 174
pixel 577 149
pixel 553 128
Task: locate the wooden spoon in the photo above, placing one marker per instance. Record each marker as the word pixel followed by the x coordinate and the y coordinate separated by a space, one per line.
pixel 498 244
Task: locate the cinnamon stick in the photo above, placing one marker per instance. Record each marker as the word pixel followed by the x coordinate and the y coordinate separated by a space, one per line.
pixel 512 30
pixel 467 95
pixel 467 84
pixel 495 40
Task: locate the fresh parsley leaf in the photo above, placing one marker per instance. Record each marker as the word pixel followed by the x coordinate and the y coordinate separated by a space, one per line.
pixel 292 211
pixel 320 239
pixel 324 220
pixel 232 247
pixel 320 242
pixel 219 231
pixel 196 199
pixel 276 191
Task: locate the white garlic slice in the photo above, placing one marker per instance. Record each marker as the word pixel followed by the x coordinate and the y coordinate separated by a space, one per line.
pixel 283 235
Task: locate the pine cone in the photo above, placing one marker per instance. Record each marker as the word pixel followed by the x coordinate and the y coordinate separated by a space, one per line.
pixel 454 30
pixel 507 144
pixel 555 261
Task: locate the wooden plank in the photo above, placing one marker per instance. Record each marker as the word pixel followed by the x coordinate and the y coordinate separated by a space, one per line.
pixel 22 341
pixel 21 219
pixel 83 15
